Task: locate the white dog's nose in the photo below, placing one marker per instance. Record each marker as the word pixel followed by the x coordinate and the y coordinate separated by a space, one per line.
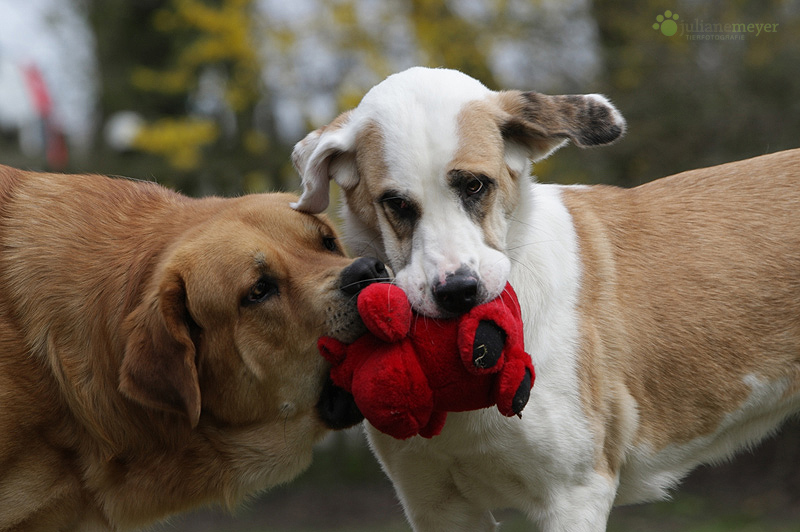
pixel 458 293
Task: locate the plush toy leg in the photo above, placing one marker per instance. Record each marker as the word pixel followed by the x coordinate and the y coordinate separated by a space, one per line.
pixel 332 350
pixel 335 352
pixel 523 393
pixel 513 387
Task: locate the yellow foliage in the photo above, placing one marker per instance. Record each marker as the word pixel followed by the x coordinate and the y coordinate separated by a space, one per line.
pixel 349 97
pixel 449 40
pixel 222 39
pixel 255 142
pixel 173 82
pixel 256 181
pixel 344 14
pixel 180 141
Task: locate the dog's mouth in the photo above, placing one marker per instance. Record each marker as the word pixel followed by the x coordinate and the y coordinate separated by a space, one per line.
pixel 336 407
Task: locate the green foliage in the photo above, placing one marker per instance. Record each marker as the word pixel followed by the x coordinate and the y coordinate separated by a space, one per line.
pixel 214 35
pixel 693 103
pixel 449 40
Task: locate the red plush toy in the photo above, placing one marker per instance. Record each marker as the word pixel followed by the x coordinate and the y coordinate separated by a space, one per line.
pixel 408 371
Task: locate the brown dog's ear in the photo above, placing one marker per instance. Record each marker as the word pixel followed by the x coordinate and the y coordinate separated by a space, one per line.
pixel 325 154
pixel 159 368
pixel 542 123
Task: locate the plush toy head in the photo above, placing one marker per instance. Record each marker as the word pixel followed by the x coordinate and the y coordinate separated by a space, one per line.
pixel 408 371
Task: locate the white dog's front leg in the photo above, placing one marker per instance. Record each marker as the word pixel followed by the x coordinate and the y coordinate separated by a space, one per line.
pixel 433 503
pixel 431 500
pixel 455 516
pixel 579 508
pixel 434 506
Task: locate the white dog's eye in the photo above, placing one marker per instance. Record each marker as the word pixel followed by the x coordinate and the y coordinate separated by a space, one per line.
pixel 470 186
pixel 398 204
pixel 473 187
pixel 403 209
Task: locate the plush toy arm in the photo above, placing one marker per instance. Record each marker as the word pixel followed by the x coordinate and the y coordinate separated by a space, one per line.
pixel 385 310
pixel 332 350
pixel 335 352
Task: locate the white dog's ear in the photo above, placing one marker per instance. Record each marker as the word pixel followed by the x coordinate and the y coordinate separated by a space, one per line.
pixel 325 154
pixel 541 124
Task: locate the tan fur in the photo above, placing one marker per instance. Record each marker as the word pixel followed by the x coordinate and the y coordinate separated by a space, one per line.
pixel 678 337
pixel 369 160
pixel 480 151
pixel 133 384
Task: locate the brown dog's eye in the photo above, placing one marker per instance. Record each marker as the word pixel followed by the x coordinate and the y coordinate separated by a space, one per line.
pixel 264 289
pixel 330 244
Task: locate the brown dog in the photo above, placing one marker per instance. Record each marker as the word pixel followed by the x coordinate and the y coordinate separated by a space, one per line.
pixel 159 352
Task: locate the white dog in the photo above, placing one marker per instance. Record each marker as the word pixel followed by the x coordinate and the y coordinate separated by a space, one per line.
pixel 663 321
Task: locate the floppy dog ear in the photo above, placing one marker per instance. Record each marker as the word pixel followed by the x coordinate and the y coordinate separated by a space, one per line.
pixel 159 368
pixel 325 154
pixel 541 124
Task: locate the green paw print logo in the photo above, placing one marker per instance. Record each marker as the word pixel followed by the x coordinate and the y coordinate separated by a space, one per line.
pixel 666 23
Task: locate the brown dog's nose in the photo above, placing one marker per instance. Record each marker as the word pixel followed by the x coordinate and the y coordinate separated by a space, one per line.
pixel 458 293
pixel 362 273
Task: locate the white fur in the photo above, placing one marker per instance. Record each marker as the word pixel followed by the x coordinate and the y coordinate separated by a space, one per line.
pixel 541 464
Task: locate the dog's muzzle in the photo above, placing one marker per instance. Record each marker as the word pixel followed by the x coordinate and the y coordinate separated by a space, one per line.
pixel 361 273
pixel 336 407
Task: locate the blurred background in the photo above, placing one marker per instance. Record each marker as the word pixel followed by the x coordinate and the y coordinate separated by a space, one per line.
pixel 209 96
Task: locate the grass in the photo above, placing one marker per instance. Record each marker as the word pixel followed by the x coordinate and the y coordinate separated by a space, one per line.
pixel 686 513
pixel 345 491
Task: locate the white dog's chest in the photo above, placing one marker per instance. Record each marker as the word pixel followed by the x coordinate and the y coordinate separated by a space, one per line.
pixel 494 461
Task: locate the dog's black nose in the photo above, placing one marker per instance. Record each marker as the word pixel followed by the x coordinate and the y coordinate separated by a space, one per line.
pixel 361 273
pixel 457 294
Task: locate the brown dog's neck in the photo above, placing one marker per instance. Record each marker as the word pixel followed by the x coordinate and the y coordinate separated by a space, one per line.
pixel 80 270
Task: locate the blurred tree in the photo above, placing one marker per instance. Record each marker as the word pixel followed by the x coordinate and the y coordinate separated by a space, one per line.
pixel 447 39
pixel 126 37
pixel 692 103
pixel 215 69
pixel 228 86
